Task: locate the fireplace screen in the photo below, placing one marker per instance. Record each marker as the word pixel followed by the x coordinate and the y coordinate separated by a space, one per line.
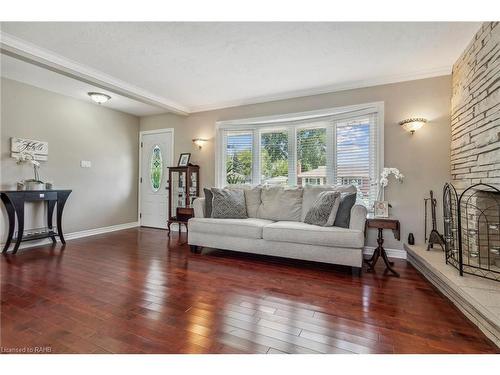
pixel 472 230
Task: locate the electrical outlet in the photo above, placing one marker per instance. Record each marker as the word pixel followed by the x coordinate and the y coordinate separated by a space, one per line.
pixel 85 163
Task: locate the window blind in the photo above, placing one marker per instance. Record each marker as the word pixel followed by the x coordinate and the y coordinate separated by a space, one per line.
pixel 311 156
pixel 238 157
pixel 355 156
pixel 274 157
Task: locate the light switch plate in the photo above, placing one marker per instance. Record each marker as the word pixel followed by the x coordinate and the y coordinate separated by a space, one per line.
pixel 85 163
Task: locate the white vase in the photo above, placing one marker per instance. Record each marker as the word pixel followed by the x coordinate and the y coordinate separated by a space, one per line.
pixel 34 185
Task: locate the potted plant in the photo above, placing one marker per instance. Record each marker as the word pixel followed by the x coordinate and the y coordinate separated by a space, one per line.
pixel 34 183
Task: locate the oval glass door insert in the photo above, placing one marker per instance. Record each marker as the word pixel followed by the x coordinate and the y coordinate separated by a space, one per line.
pixel 156 170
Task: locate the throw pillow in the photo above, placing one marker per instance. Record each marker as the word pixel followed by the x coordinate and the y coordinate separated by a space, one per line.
pixel 343 217
pixel 311 192
pixel 322 208
pixel 228 204
pixel 208 202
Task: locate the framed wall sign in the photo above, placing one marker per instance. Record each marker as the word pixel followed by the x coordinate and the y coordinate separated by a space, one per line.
pixel 39 149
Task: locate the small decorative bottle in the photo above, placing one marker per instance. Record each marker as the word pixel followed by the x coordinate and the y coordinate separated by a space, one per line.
pixel 411 239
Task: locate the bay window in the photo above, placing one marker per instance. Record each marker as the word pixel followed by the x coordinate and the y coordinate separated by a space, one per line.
pixel 334 146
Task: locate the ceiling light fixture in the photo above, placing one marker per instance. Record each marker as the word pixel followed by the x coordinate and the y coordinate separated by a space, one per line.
pixel 413 124
pixel 99 97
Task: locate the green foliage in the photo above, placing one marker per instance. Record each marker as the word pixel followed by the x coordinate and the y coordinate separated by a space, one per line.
pixel 239 167
pixel 311 148
pixel 274 154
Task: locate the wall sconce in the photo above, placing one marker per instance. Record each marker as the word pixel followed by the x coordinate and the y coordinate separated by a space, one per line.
pixel 413 124
pixel 199 142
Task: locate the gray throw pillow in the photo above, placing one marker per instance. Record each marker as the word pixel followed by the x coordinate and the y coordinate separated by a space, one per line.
pixel 228 204
pixel 208 202
pixel 343 217
pixel 323 208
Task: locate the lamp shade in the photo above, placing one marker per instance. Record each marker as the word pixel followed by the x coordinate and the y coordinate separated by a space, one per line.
pixel 413 124
pixel 99 97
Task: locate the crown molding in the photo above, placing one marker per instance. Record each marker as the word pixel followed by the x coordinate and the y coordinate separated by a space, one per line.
pixel 33 54
pixel 443 71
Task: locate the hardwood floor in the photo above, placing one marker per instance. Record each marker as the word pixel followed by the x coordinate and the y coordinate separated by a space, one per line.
pixel 136 291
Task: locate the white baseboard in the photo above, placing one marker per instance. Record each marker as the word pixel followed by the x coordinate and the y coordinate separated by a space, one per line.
pixel 391 253
pixel 79 234
pixel 175 228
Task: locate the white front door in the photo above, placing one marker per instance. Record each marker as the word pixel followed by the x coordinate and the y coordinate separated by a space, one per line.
pixel 156 157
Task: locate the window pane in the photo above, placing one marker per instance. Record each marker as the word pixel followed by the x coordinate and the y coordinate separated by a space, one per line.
pixel 274 157
pixel 238 158
pixel 353 156
pixel 311 156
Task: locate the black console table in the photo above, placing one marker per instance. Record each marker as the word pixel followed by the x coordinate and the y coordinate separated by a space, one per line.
pixel 14 203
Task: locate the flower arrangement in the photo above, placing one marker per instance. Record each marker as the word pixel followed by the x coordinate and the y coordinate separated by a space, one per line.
pixel 28 157
pixel 384 179
pixel 381 207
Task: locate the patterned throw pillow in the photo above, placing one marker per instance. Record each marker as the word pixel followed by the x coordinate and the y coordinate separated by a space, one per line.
pixel 322 208
pixel 228 204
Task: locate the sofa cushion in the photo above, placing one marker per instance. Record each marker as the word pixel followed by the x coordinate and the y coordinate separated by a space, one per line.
pixel 324 209
pixel 245 228
pixel 298 232
pixel 312 192
pixel 228 204
pixel 343 218
pixel 279 203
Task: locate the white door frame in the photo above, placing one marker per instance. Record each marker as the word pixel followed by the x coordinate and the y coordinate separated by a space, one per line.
pixel 141 133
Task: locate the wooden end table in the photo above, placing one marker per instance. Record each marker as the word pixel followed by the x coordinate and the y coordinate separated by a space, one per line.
pixel 381 224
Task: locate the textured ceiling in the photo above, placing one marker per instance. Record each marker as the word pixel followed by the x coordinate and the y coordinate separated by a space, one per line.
pixel 213 65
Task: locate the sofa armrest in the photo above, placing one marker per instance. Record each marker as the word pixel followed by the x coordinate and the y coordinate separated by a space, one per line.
pixel 199 207
pixel 358 217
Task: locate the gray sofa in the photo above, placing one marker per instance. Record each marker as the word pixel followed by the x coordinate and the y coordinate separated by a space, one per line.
pixel 275 227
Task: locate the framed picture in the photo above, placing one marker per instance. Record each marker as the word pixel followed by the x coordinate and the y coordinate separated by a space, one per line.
pixel 381 209
pixel 184 159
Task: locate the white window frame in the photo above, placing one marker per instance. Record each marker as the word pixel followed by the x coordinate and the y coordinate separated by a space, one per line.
pixel 294 121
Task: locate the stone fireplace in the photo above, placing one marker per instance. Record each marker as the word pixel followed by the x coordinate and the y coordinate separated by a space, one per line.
pixel 475 111
pixel 475 143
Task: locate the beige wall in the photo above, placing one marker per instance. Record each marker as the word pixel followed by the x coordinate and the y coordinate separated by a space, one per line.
pixel 423 157
pixel 103 195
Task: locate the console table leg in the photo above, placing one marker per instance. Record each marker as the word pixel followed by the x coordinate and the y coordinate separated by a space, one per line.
pixel 50 212
pixel 11 214
pixel 61 201
pixel 20 225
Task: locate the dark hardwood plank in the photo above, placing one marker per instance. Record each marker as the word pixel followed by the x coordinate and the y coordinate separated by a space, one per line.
pixel 137 291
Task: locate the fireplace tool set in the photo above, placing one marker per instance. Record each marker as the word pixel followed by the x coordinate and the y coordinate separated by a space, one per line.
pixel 435 238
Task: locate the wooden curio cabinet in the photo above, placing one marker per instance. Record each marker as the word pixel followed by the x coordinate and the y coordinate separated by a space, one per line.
pixel 183 189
